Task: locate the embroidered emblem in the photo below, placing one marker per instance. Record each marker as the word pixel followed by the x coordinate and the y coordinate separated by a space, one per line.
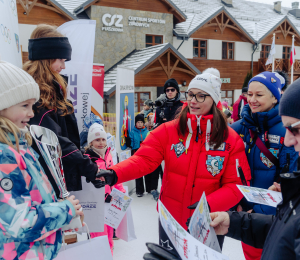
pixel 178 148
pixel 222 147
pixel 97 134
pixel 214 164
pixel 6 184
pixel 273 80
pixel 265 160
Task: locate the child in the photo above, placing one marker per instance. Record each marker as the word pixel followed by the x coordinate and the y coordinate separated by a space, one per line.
pixel 137 136
pixel 147 108
pixel 30 214
pixel 99 153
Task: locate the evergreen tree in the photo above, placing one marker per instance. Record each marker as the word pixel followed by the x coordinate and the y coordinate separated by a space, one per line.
pixel 247 79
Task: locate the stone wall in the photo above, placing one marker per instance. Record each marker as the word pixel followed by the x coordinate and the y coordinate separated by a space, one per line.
pixel 111 47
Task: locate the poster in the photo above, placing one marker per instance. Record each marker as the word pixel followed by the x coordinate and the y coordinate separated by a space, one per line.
pixel 10 49
pixel 111 142
pixel 187 246
pixel 261 196
pixel 200 225
pixel 97 90
pixel 124 105
pixel 116 209
pixel 125 155
pixel 79 69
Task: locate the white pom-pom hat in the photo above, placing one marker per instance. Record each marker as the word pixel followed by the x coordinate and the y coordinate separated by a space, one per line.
pixel 210 82
pixel 96 131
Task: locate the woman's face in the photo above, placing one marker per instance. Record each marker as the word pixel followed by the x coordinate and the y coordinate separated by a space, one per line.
pixel 259 98
pixel 197 108
pixel 19 114
pixel 58 65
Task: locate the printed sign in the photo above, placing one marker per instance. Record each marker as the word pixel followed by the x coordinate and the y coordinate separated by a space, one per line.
pixel 116 209
pixel 261 196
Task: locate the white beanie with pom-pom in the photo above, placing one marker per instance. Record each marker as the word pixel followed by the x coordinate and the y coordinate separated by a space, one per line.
pixel 210 82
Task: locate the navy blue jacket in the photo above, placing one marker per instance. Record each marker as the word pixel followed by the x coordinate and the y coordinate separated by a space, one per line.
pixel 263 172
pixel 137 136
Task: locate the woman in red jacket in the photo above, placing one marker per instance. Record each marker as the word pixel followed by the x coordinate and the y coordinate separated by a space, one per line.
pixel 201 153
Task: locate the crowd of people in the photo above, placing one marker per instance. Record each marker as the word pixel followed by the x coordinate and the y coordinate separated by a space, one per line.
pixel 204 147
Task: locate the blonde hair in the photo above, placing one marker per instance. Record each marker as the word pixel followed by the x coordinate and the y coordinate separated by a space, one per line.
pixel 6 127
pixel 43 74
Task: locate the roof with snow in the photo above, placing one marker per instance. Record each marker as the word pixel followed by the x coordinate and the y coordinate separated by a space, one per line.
pixel 138 60
pixel 256 19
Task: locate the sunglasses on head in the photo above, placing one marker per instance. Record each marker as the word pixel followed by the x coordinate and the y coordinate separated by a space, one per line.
pixel 170 89
pixel 292 129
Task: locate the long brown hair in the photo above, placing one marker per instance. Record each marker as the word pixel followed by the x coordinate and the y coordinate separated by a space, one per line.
pixel 42 73
pixel 220 128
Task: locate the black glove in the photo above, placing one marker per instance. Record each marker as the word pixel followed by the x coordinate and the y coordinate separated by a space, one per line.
pixel 189 219
pixel 108 198
pixel 98 184
pixel 110 176
pixel 158 252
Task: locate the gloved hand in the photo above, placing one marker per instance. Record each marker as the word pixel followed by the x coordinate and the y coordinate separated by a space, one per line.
pixel 110 176
pixel 108 198
pixel 191 207
pixel 158 252
pixel 97 183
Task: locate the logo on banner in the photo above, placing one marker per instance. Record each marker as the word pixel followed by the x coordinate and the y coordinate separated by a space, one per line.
pixel 214 164
pixel 13 7
pixel 5 32
pixel 112 20
pixel 265 160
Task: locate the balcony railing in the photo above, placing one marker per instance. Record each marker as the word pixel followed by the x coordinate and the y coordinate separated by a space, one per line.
pixel 279 64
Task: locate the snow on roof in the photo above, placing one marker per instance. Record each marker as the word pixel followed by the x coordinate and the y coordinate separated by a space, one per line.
pixel 138 60
pixel 257 19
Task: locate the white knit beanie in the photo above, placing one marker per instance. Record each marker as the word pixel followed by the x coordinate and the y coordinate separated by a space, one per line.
pixel 210 82
pixel 16 86
pixel 96 131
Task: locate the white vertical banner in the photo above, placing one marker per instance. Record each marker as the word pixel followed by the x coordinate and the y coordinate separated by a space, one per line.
pixel 79 69
pixel 124 105
pixel 10 49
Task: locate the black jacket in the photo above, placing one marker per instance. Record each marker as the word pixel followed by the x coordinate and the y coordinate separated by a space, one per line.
pixel 279 235
pixel 65 127
pixel 169 112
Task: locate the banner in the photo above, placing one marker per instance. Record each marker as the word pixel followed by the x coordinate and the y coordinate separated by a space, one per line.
pixel 81 34
pixel 10 49
pixel 97 90
pixel 124 105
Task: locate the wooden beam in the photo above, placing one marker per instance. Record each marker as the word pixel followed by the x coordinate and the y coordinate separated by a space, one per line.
pixel 186 71
pixel 50 8
pixel 31 6
pixel 173 68
pixel 23 5
pixel 151 70
pixel 169 69
pixel 162 65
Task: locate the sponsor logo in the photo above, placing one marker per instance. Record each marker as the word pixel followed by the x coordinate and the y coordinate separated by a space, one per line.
pixel 112 20
pixel 275 139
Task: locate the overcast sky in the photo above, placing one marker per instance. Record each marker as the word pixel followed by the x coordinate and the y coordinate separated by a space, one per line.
pixel 286 3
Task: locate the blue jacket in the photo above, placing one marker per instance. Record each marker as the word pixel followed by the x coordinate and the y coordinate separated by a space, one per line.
pixel 137 136
pixel 263 172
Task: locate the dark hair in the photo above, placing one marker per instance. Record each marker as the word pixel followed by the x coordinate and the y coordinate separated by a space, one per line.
pixel 220 128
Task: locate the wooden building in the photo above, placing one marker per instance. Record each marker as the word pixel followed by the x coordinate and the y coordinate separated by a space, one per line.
pixel 233 36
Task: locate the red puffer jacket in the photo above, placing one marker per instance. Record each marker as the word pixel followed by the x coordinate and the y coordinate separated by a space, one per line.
pixel 188 174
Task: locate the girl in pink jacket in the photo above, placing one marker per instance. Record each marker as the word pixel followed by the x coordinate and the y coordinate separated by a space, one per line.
pixel 99 153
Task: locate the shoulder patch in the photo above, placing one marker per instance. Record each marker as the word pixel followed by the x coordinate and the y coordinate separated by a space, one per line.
pixel 275 139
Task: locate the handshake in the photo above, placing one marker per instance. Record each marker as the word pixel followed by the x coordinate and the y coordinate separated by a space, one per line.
pixel 104 177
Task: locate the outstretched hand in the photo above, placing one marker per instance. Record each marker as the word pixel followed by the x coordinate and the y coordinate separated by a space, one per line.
pixel 275 187
pixel 110 176
pixel 220 222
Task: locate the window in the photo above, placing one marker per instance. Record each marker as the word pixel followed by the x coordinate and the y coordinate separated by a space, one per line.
pixel 227 94
pixel 152 40
pixel 227 50
pixel 286 52
pixel 139 99
pixel 265 50
pixel 200 49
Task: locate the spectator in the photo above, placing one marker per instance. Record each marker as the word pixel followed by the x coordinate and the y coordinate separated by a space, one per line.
pixel 201 154
pixel 147 108
pixel 47 56
pixel 239 105
pixel 263 133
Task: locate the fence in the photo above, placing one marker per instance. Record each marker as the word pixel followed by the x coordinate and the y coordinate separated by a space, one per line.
pixel 109 122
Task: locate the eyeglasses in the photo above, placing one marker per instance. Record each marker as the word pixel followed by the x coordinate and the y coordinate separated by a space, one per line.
pixel 200 97
pixel 170 89
pixel 292 129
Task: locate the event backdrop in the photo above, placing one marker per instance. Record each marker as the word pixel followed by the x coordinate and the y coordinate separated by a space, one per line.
pixel 81 34
pixel 10 49
pixel 124 105
pixel 97 90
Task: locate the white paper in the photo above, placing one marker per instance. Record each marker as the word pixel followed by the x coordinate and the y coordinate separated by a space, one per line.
pixel 116 209
pixel 187 246
pixel 111 142
pixel 125 155
pixel 200 225
pixel 261 196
